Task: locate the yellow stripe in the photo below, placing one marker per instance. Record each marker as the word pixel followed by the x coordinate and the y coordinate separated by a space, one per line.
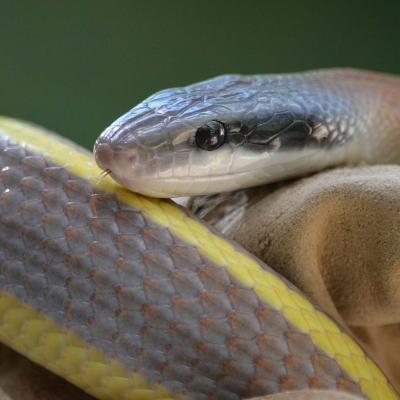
pixel 297 310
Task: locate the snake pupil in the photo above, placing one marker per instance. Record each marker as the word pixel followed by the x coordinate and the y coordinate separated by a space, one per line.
pixel 211 135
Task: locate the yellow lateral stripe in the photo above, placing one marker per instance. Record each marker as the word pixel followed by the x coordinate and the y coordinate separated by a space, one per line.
pixel 271 289
pixel 63 353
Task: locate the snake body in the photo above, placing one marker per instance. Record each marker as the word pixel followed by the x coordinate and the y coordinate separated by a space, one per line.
pixel 129 297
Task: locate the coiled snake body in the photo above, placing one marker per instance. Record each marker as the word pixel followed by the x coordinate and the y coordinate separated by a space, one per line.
pixel 130 297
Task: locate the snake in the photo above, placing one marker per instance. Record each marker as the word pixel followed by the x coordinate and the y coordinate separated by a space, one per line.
pixel 132 297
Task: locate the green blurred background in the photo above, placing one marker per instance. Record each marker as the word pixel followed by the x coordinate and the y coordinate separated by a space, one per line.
pixel 75 66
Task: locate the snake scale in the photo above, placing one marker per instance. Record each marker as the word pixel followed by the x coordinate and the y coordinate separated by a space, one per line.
pixel 130 297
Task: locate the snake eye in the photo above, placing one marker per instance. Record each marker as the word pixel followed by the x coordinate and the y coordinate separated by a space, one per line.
pixel 211 135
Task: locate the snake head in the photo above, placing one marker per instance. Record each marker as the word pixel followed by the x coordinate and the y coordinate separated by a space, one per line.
pixel 223 134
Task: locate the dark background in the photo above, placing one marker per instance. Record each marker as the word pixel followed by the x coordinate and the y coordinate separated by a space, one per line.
pixel 75 66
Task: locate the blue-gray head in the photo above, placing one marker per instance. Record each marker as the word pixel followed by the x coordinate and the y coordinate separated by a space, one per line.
pixel 227 133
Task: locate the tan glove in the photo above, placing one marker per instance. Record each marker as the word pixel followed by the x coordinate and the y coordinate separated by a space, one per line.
pixel 336 236
pixel 310 395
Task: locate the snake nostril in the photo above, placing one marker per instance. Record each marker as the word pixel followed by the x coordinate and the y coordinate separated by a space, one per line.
pixel 132 158
pixel 103 155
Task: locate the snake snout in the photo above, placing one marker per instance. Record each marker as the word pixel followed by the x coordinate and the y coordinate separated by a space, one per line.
pixel 118 162
pixel 103 155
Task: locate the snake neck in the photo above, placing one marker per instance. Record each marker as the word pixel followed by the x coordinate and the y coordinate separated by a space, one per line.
pixel 379 136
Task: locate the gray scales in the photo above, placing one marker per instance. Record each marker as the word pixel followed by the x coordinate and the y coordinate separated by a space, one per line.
pixel 134 290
